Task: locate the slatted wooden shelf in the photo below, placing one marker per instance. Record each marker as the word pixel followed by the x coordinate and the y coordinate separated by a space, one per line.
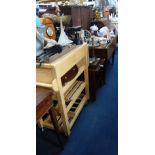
pixel 78 109
pixel 48 124
pixel 76 93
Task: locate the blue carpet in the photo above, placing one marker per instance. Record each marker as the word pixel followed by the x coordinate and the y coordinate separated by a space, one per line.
pixel 96 129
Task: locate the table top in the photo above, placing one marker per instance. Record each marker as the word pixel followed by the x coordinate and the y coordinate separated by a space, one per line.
pixel 105 46
pixel 41 94
pixel 58 57
pixel 96 66
pixel 43 101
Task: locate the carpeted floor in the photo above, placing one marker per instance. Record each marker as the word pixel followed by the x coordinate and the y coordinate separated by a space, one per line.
pixel 96 129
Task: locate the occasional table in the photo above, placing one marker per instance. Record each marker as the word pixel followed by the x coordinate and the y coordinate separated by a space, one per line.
pixel 97 71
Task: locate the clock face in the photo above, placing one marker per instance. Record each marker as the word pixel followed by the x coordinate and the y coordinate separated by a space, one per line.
pixel 49 31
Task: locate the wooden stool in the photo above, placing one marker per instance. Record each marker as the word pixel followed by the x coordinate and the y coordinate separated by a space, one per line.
pixel 44 105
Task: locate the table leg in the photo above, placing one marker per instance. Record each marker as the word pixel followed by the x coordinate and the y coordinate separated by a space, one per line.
pixel 104 74
pixel 113 56
pixel 93 86
pixel 55 124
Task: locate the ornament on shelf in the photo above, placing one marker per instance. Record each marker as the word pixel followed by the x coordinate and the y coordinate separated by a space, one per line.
pixel 63 38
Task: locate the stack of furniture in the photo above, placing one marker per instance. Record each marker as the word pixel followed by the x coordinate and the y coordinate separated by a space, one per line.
pixel 71 94
pixel 97 71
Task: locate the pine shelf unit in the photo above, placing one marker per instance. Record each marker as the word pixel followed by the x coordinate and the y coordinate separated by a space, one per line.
pixel 72 96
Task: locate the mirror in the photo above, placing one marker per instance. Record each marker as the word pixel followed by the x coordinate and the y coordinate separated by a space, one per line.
pixel 49 31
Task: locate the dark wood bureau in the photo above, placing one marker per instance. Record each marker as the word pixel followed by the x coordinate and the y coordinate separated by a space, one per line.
pixel 82 15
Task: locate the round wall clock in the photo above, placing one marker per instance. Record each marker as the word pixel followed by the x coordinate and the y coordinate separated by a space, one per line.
pixel 49 31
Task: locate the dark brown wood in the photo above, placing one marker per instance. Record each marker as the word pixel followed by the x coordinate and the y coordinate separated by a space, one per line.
pixel 44 105
pixel 43 101
pixel 69 75
pixel 55 124
pixel 98 23
pixel 107 52
pixel 96 77
pixel 76 16
pixel 85 17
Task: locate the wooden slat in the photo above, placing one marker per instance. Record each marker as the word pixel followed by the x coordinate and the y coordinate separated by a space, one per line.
pixel 78 90
pixel 43 85
pixel 53 85
pixel 78 110
pixel 70 89
pixel 48 124
pixel 75 96
pixel 70 94
pixel 71 114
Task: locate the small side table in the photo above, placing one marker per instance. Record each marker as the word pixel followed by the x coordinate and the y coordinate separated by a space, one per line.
pixel 44 105
pixel 97 74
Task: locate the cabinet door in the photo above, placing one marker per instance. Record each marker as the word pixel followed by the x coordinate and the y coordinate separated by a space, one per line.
pixel 76 16
pixel 85 17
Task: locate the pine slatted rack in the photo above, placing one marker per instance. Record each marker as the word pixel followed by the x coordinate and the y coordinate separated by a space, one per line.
pixel 72 96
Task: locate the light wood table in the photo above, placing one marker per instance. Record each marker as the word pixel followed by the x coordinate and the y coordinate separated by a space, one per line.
pixel 71 96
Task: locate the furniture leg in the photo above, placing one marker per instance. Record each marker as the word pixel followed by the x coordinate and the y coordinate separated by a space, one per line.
pixel 55 124
pixel 104 74
pixel 94 86
pixel 113 56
